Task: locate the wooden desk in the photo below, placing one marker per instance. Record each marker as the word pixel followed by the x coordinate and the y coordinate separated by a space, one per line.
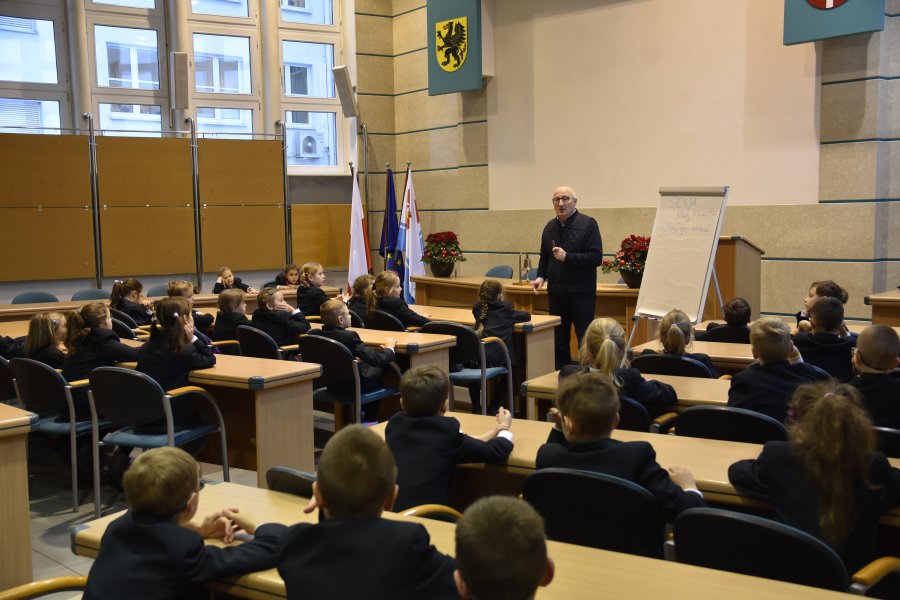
pixel 581 573
pixel 885 308
pixel 856 328
pixel 15 518
pixel 691 391
pixel 533 340
pixel 422 348
pixel 727 358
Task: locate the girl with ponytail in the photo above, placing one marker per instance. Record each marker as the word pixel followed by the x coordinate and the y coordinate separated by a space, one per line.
pixel 603 350
pixel 676 334
pixel 494 317
pixel 126 296
pixel 828 479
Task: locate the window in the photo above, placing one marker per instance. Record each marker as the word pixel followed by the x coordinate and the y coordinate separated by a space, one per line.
pixel 139 120
pixel 27 50
pixel 225 122
pixel 224 8
pixel 308 69
pixel 311 138
pixel 126 58
pixel 30 115
pixel 129 3
pixel 221 64
pixel 316 12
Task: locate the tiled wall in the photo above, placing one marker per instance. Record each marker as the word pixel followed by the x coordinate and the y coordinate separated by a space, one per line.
pixel 852 235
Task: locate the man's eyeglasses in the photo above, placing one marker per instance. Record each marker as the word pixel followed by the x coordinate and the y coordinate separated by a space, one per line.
pixel 562 199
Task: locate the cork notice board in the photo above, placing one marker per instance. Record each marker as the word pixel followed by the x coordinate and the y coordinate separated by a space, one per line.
pixel 46 243
pixel 44 170
pixel 144 171
pixel 147 241
pixel 239 172
pixel 242 237
pixel 321 233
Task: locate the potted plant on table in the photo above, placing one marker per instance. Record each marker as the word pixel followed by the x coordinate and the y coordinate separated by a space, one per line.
pixel 441 252
pixel 630 260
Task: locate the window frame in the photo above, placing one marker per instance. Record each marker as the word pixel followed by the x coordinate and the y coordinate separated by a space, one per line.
pixel 334 28
pixel 90 6
pixel 98 99
pixel 198 98
pixel 138 96
pixel 199 20
pixel 246 104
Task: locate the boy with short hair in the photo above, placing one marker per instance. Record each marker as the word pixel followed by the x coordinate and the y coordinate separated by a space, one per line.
pixel 427 444
pixel 875 362
pixel 766 385
pixel 825 346
pixel 335 321
pixel 587 411
pixel 153 551
pixel 511 570
pixel 735 330
pixel 354 553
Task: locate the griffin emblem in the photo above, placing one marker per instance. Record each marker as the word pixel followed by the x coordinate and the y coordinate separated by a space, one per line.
pixel 452 43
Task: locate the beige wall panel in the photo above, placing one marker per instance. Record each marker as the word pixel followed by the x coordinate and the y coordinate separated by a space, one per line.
pixel 889 125
pixel 244 238
pixel 851 57
pixel 378 187
pixel 44 170
pixel 377 113
pixel 403 6
pixel 411 72
pixel 434 149
pixel 373 35
pixel 474 106
pixel 850 111
pixel 375 7
pixel 375 73
pixel 888 229
pixel 241 172
pixel 147 241
pixel 421 111
pixel 775 229
pixel 786 283
pixel 449 189
pixel 410 27
pixel 891 64
pixel 891 173
pixel 473 143
pixel 321 233
pixel 382 149
pixel 49 243
pixel 848 171
pixel 141 171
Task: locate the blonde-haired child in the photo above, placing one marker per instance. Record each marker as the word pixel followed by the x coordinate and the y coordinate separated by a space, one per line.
pixel 310 296
pixel 227 281
pixel 46 339
pixel 386 294
pixel 676 334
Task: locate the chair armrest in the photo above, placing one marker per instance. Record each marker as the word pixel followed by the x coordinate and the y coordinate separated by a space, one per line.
pixel 80 383
pixel 726 377
pixel 424 510
pixel 876 570
pixel 144 328
pixel 188 389
pixel 314 318
pixel 225 343
pixel 663 422
pixel 290 348
pixel 44 586
pixel 413 328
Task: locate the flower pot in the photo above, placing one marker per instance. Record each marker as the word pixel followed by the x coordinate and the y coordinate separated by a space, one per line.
pixel 631 278
pixel 441 269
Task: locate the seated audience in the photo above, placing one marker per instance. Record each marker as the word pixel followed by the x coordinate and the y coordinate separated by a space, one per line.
pixel 386 294
pixel 736 329
pixel 828 480
pixel 354 552
pixel 587 411
pixel 767 384
pixel 279 319
pixel 185 289
pixel 511 569
pixel 154 551
pixel 126 297
pixel 227 281
pixel 825 346
pixel 427 444
pixel 358 301
pixel 675 334
pixel 817 290
pixel 46 339
pixel 232 314
pixel 875 362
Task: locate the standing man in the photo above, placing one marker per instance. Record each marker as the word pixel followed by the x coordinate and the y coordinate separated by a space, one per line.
pixel 571 251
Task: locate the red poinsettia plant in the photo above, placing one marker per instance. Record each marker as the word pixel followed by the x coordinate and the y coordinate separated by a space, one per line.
pixel 442 248
pixel 632 255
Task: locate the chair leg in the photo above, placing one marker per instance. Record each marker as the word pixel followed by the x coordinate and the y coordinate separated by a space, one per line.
pixel 95 456
pixel 224 442
pixel 74 466
pixel 484 396
pixel 452 399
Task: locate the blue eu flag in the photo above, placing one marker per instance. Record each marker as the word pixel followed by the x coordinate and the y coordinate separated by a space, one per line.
pixel 390 230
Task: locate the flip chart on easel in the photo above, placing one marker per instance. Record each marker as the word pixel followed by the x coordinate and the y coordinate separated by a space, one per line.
pixel 682 251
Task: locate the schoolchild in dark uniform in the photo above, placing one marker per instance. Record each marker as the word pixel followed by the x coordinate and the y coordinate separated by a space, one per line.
pixel 45 341
pixel 227 281
pixel 279 319
pixel 875 362
pixel 126 297
pixel 358 301
pixel 386 295
pixel 232 313
pixel 825 347
pixel 675 334
pixel 310 296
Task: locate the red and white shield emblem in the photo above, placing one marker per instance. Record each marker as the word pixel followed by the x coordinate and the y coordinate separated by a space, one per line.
pixel 825 4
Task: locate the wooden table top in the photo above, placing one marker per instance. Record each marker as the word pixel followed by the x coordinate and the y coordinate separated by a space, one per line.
pixel 891 298
pixel 692 391
pixel 15 421
pixel 581 573
pixel 465 317
pixel 407 342
pixel 513 285
pixel 732 355
pixel 852 327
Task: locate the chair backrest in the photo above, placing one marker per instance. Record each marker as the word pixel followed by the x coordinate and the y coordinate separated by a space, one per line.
pixel 126 396
pixel 34 298
pixel 632 415
pixel 468 344
pixel 888 441
pixel 160 289
pixel 337 361
pixel 40 387
pixel 269 284
pixel 741 543
pixel 356 320
pixel 7 389
pixel 597 510
pixel 532 274
pixel 731 335
pixel 290 481
pixel 115 313
pixel 668 364
pixel 836 363
pixel 122 330
pixel 256 343
pixel 90 294
pixel 728 423
pixel 383 321
pixel 501 271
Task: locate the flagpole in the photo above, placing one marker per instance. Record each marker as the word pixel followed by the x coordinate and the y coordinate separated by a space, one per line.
pixel 387 168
